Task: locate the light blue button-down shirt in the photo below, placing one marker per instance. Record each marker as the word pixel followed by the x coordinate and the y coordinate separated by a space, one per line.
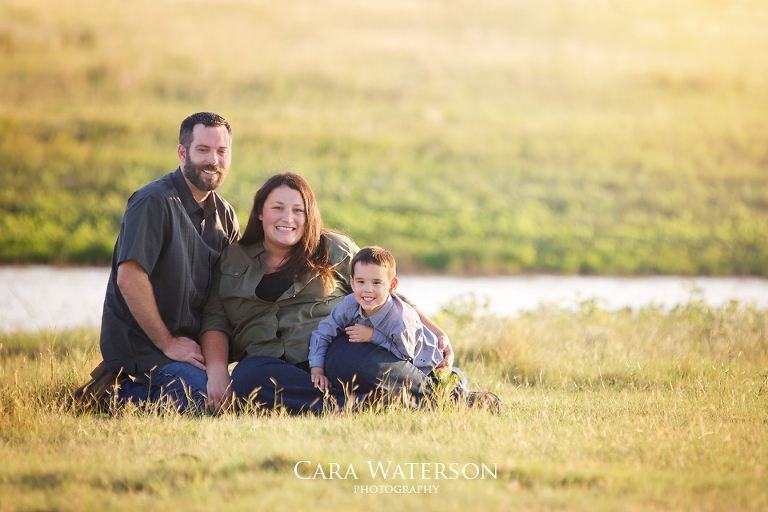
pixel 396 325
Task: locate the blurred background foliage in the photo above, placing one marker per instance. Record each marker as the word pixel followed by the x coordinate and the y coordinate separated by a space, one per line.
pixel 592 136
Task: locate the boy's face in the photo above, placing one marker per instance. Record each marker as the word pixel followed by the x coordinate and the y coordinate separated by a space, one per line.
pixel 371 286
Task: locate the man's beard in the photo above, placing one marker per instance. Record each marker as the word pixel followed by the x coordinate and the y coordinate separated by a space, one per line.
pixel 194 173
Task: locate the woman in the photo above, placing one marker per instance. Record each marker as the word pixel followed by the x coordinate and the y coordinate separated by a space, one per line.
pixel 268 294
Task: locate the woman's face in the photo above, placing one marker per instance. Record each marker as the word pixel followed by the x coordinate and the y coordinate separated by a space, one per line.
pixel 283 218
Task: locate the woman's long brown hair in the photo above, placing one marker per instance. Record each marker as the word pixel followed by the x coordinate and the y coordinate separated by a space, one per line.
pixel 310 255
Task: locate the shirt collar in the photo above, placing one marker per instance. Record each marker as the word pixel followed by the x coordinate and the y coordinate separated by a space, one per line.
pixel 257 249
pixel 254 250
pixel 187 199
pixel 380 315
pixel 211 205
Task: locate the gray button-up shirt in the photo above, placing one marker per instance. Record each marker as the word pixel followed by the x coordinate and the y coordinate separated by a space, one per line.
pixel 177 242
pixel 397 328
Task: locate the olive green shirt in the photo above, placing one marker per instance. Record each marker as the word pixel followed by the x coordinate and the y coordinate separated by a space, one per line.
pixel 279 329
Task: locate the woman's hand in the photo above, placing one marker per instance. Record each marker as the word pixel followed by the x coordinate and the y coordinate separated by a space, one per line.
pixel 444 345
pixel 215 348
pixel 219 391
pixel 359 333
pixel 318 377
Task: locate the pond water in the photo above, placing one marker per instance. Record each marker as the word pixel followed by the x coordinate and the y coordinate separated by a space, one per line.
pixel 43 297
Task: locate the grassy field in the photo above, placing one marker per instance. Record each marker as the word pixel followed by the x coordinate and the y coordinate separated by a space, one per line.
pixel 590 136
pixel 604 411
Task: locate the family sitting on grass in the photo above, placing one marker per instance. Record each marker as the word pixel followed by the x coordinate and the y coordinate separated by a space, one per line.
pixel 312 321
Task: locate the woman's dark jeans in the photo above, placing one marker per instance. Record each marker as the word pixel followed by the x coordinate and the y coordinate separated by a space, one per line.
pixel 357 368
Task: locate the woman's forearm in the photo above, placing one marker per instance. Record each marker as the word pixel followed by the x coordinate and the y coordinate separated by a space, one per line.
pixel 443 343
pixel 215 347
pixel 429 324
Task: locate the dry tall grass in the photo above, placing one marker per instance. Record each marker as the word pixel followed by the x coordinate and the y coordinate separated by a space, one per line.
pixel 604 411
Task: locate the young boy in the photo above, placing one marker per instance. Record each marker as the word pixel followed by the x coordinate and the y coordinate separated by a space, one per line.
pixel 373 302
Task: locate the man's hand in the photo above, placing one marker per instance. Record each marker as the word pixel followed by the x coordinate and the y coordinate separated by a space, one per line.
pixel 185 350
pixel 137 291
pixel 444 344
pixel 359 333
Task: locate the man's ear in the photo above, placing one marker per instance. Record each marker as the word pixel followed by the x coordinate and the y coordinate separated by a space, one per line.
pixel 182 152
pixel 393 285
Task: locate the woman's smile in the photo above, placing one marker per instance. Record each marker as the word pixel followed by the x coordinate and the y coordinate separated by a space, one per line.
pixel 283 218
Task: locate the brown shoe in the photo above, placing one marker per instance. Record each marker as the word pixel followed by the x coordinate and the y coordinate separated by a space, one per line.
pixel 95 393
pixel 485 400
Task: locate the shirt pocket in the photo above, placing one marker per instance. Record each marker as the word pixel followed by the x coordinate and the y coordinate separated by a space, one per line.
pixel 234 281
pixel 234 271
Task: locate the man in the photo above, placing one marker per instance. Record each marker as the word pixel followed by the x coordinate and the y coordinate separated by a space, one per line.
pixel 171 235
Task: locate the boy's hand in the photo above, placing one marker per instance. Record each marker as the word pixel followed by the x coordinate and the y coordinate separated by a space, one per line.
pixel 359 333
pixel 318 377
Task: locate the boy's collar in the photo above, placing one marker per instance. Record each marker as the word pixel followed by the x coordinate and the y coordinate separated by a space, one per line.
pixel 380 313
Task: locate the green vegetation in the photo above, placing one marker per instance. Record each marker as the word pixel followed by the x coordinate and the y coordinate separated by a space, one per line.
pixel 592 137
pixel 604 411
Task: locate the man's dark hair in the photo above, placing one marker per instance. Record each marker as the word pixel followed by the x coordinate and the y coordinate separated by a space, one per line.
pixel 208 119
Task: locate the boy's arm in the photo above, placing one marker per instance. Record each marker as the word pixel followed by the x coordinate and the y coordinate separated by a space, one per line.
pixel 317 375
pixel 321 337
pixel 402 343
pixel 326 331
pixel 364 333
pixel 360 333
pixel 401 329
pixel 444 344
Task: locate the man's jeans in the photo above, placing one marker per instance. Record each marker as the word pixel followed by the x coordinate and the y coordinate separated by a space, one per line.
pixel 178 384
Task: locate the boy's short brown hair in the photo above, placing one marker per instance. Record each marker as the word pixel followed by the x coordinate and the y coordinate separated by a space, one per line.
pixel 375 255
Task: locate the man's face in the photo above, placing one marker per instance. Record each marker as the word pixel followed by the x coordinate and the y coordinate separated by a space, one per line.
pixel 207 161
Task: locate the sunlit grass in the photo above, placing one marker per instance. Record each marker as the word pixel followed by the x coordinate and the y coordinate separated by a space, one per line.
pixel 643 410
pixel 597 137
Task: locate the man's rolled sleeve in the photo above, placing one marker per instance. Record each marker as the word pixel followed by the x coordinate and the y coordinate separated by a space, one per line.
pixel 144 229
